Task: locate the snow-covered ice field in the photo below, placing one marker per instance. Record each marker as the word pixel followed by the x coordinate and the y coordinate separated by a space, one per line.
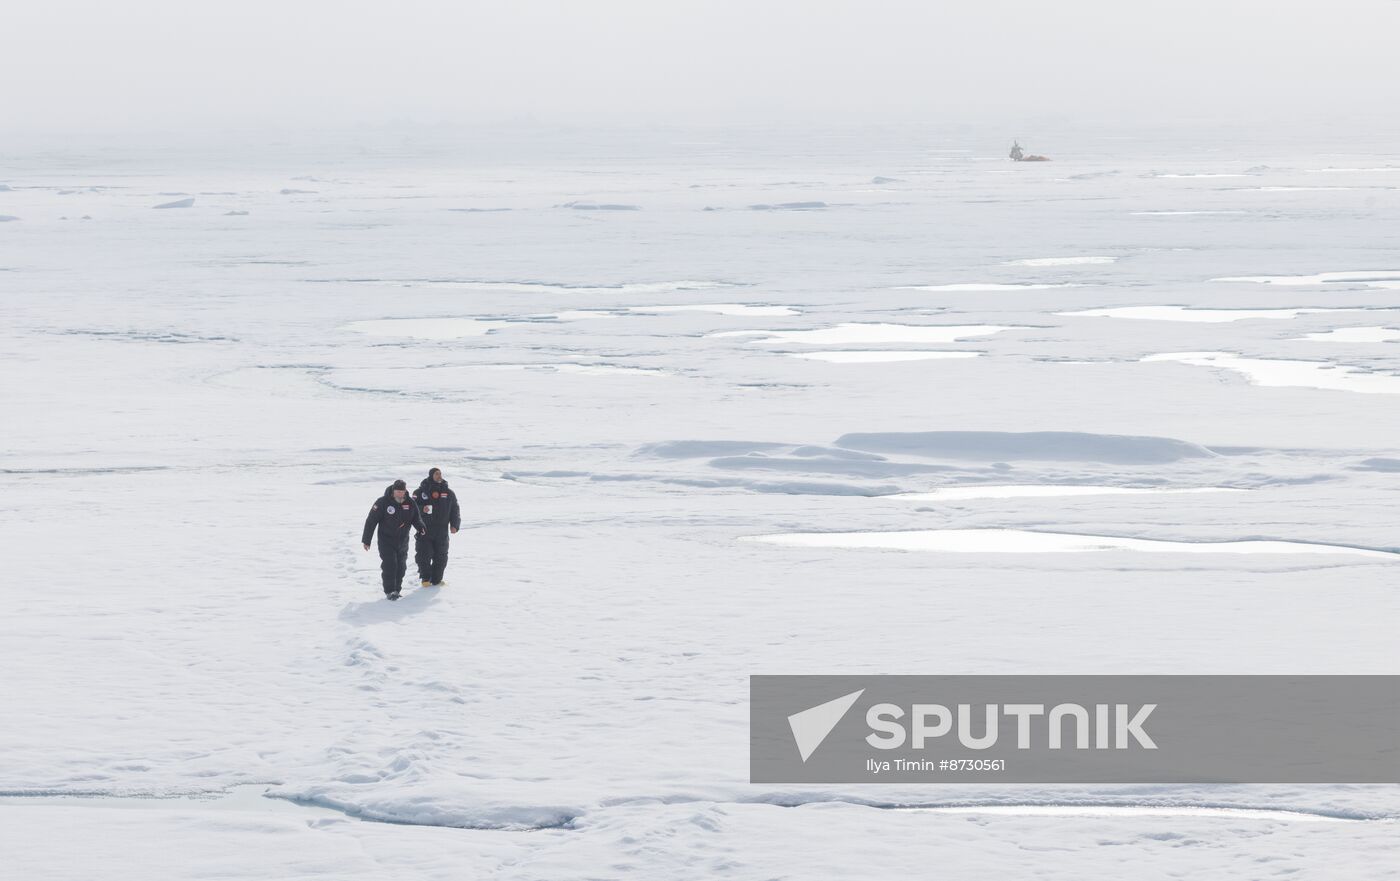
pixel 715 405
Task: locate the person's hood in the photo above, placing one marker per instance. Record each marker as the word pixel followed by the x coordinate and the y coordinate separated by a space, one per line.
pixel 389 495
pixel 431 485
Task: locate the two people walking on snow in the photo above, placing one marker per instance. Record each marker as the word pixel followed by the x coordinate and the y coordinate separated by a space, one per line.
pixel 431 513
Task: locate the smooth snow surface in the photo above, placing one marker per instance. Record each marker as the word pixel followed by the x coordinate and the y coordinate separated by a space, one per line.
pixel 961 493
pixel 576 315
pixel 733 309
pixel 876 356
pixel 535 287
pixel 1062 261
pixel 1134 811
pixel 719 309
pixel 1382 168
pixel 1381 279
pixel 1357 335
pixel 1016 541
pixel 424 328
pixel 1291 189
pixel 1181 213
pixel 1287 373
pixel 597 369
pixel 202 403
pixel 1186 313
pixel 985 286
pixel 866 334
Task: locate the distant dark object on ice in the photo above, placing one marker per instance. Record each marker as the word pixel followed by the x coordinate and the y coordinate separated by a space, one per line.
pixel 884 180
pixel 598 206
pixel 791 206
pixel 1019 155
pixel 178 203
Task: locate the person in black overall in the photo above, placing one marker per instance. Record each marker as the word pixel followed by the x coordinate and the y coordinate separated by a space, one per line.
pixel 441 515
pixel 394 515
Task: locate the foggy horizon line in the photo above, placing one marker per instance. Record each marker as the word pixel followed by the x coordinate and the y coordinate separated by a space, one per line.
pixel 1339 126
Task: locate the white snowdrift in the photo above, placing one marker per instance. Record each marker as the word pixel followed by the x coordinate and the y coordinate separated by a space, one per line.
pixel 1376 334
pixel 879 356
pixel 1020 541
pixel 1385 278
pixel 1280 373
pixel 1088 260
pixel 1188 313
pixel 867 334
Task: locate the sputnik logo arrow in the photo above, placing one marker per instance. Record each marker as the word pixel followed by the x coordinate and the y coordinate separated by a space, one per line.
pixel 811 726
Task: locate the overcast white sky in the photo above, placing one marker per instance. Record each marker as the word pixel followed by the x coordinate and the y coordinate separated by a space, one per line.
pixel 113 64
